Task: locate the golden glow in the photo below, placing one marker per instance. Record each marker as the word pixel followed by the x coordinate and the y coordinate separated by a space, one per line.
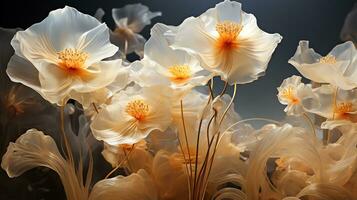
pixel 329 59
pixel 129 147
pixel 72 61
pixel 180 73
pixel 228 36
pixel 137 109
pixel 280 163
pixel 288 93
pixel 342 110
pixel 177 160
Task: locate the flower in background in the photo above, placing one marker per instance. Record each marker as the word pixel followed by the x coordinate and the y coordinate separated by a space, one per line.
pixel 292 92
pixel 349 29
pixel 132 115
pixel 130 21
pixel 60 58
pixel 228 41
pixel 338 68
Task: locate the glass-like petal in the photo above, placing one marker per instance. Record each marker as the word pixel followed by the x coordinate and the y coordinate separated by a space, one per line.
pixel 138 185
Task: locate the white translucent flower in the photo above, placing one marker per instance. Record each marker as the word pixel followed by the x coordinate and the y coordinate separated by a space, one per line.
pixel 339 106
pixel 178 67
pixel 339 67
pixel 130 21
pixel 62 56
pixel 291 92
pixel 132 115
pixel 229 42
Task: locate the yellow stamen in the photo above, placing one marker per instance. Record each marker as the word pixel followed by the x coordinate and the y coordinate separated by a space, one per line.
pixel 288 93
pixel 329 59
pixel 343 109
pixel 72 60
pixel 137 109
pixel 180 73
pixel 228 34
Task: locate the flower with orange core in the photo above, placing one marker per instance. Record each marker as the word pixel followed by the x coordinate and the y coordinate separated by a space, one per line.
pixel 289 94
pixel 343 110
pixel 62 61
pixel 133 114
pixel 227 41
pixel 177 68
pixel 72 61
pixel 228 37
pixel 138 109
pixel 179 73
pixel 292 92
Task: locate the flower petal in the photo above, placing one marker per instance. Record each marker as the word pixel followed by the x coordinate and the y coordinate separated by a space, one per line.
pixel 138 185
pixel 96 43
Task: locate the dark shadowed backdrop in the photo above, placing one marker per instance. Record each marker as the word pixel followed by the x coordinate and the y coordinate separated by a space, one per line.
pixel 319 21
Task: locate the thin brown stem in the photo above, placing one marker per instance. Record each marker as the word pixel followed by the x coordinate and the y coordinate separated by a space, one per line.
pixel 198 136
pixel 218 137
pixel 121 163
pixel 186 139
pixel 95 108
pixel 203 167
pixel 186 166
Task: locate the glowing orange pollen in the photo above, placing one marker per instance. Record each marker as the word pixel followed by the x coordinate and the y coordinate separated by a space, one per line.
pixel 137 109
pixel 228 36
pixel 288 93
pixel 180 73
pixel 343 110
pixel 72 61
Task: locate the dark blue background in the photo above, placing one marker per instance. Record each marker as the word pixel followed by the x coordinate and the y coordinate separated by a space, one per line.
pixel 319 21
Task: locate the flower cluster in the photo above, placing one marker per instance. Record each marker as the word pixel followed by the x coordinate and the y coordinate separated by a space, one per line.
pixel 159 123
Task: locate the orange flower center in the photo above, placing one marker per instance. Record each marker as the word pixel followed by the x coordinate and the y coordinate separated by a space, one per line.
pixel 288 93
pixel 329 59
pixel 72 61
pixel 137 109
pixel 342 110
pixel 228 36
pixel 180 73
